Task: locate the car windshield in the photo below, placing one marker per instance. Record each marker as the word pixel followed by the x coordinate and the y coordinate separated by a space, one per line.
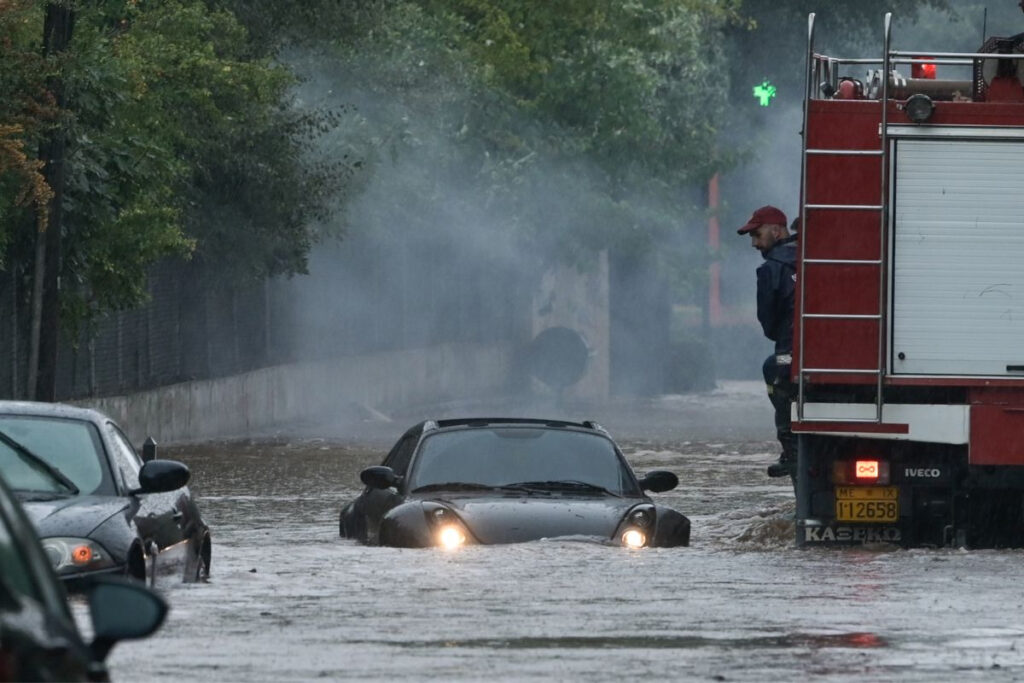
pixel 543 458
pixel 71 447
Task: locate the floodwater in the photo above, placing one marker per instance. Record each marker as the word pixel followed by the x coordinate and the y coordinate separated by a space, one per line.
pixel 289 600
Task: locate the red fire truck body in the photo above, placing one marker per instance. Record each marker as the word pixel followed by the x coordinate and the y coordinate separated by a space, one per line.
pixel 909 322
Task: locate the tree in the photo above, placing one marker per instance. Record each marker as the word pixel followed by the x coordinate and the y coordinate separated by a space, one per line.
pixel 176 138
pixel 24 113
pixel 613 107
pixel 250 194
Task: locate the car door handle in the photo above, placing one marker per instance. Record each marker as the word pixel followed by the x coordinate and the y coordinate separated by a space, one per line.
pixel 177 516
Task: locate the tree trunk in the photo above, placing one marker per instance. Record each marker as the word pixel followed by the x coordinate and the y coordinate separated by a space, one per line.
pixel 57 29
pixel 39 268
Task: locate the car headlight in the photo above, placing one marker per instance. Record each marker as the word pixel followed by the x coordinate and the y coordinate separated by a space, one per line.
pixel 634 538
pixel 451 536
pixel 642 517
pixel 71 555
pixel 637 526
pixel 446 527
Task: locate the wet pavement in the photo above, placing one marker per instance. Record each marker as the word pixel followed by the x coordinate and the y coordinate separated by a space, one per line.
pixel 289 600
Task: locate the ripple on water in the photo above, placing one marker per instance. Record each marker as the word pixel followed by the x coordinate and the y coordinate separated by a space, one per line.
pixel 289 600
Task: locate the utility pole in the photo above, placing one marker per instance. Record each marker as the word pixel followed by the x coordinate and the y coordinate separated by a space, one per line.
pixel 57 29
pixel 714 304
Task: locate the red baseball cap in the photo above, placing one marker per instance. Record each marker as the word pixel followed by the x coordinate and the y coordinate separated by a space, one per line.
pixel 766 215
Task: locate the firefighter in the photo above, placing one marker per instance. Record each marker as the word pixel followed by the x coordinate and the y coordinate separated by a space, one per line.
pixel 776 283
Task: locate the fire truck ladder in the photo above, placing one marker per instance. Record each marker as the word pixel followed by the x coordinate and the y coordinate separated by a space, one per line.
pixel 824 70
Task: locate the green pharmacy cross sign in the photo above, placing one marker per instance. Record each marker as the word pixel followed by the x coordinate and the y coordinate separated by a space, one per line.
pixel 764 93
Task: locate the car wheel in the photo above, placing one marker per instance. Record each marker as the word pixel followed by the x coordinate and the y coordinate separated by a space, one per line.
pixel 136 568
pixel 152 552
pixel 202 564
pixel 351 525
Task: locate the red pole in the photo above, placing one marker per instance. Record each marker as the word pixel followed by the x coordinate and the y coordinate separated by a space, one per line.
pixel 715 268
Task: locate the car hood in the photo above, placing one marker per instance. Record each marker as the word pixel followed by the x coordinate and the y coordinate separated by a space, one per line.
pixel 517 519
pixel 75 516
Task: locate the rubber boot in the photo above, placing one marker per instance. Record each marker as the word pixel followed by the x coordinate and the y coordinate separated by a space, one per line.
pixel 784 467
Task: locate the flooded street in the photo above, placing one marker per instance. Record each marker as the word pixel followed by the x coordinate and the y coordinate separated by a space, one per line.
pixel 289 600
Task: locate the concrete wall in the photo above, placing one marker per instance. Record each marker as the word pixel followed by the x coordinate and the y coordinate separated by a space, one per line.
pixel 341 390
pixel 257 402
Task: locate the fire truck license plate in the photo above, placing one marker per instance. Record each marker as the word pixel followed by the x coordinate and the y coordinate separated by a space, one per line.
pixel 867 503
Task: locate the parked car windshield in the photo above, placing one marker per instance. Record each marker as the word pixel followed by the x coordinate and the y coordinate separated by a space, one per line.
pixel 514 455
pixel 71 446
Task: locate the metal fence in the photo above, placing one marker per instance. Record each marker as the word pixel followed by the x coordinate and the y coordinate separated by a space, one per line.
pixel 198 327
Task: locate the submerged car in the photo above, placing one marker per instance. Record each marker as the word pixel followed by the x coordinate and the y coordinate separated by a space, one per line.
pixel 507 480
pixel 39 639
pixel 97 506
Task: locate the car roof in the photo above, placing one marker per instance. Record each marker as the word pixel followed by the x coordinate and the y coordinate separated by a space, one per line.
pixel 41 409
pixel 484 422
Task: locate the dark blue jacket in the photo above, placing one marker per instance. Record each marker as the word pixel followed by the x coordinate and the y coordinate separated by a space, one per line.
pixel 776 282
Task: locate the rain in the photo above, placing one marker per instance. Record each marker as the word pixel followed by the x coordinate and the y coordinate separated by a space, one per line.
pixel 289 600
pixel 464 243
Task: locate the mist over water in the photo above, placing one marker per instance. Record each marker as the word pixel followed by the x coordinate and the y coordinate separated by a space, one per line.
pixel 427 253
pixel 432 251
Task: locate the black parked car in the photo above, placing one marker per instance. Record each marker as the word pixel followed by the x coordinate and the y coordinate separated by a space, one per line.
pixel 97 506
pixel 39 640
pixel 507 480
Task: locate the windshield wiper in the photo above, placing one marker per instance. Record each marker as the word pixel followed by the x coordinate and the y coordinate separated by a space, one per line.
pixel 38 464
pixel 35 495
pixel 565 485
pixel 472 486
pixel 454 486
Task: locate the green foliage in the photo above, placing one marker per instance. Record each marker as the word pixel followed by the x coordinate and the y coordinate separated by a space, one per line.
pixel 23 70
pixel 121 206
pixel 273 25
pixel 181 140
pixel 250 199
pixel 631 85
pixel 567 127
pixel 26 110
pixel 232 129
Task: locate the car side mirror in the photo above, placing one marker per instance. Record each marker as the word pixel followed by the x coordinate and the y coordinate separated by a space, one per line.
pixel 659 481
pixel 122 610
pixel 380 477
pixel 160 476
pixel 149 449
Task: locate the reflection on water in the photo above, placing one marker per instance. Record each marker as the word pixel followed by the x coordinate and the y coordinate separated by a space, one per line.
pixel 289 600
pixel 641 641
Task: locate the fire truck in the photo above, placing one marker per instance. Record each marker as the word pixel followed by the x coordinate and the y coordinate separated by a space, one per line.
pixel 909 315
